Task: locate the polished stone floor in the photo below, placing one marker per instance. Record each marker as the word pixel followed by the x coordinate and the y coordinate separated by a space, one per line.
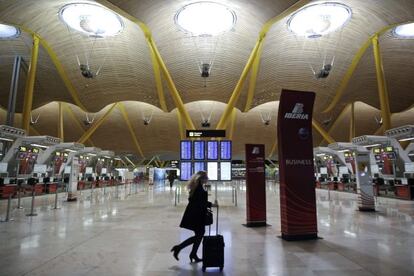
pixel 122 234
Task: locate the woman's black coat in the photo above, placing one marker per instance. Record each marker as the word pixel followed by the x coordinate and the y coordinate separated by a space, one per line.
pixel 195 212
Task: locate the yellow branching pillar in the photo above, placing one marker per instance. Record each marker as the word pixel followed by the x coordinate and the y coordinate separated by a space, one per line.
pixel 60 123
pixel 28 95
pixel 382 86
pixel 352 122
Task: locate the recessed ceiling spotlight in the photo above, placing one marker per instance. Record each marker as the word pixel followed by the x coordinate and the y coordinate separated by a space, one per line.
pixel 8 32
pixel 319 19
pixel 205 18
pixel 91 19
pixel 404 31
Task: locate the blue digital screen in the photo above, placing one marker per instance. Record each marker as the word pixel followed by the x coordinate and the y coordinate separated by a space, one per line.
pixel 225 150
pixel 185 171
pixel 199 166
pixel 199 152
pixel 212 150
pixel 185 150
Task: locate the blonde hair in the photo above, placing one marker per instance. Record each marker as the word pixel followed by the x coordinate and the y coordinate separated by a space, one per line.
pixel 197 179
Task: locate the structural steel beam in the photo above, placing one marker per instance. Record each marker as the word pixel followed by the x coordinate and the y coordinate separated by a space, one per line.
pixel 61 134
pixel 28 95
pixel 171 86
pixel 272 151
pixel 237 90
pixel 352 122
pixel 78 123
pixel 129 160
pixel 253 78
pixel 33 130
pixel 355 61
pixel 59 67
pixel 180 126
pixel 153 50
pixel 232 123
pixel 95 126
pixel 322 132
pixel 121 107
pixel 337 120
pixel 158 81
pixel 382 85
pixel 254 55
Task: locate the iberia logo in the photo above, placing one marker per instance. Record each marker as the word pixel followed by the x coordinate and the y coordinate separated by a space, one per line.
pixel 297 113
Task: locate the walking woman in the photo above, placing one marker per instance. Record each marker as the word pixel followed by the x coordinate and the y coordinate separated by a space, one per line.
pixel 194 215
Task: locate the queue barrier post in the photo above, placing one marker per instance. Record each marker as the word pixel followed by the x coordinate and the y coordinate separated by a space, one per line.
pixel 19 196
pixel 8 210
pixel 56 197
pixel 32 213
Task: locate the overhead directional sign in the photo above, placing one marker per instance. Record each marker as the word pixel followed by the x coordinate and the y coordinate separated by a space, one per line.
pixel 206 133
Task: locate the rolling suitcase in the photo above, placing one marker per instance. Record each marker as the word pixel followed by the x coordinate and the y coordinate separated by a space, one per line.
pixel 213 249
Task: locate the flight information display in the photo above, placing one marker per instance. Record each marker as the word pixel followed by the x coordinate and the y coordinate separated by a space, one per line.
pixel 225 150
pixel 212 170
pixel 212 150
pixel 199 166
pixel 225 171
pixel 185 150
pixel 185 171
pixel 199 150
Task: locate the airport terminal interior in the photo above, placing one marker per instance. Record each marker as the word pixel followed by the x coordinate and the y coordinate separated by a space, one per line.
pixel 300 112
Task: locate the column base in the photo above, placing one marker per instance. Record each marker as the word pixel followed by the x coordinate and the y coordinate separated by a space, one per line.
pixel 305 237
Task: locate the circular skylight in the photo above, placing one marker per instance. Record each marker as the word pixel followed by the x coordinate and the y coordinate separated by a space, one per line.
pixel 91 19
pixel 405 31
pixel 205 18
pixel 7 31
pixel 319 19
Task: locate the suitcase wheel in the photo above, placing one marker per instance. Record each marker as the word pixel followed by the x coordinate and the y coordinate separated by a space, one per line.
pixel 221 268
pixel 203 268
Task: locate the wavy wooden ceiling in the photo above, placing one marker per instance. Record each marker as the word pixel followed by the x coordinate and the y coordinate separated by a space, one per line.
pixel 127 74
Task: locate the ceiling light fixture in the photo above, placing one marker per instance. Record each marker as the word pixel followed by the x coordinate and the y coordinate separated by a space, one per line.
pixel 319 19
pixel 91 19
pixel 205 18
pixel 404 31
pixel 8 32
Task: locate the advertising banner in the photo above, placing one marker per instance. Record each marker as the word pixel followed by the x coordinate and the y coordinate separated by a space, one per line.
pixel 364 183
pixel 255 186
pixel 73 180
pixel 296 168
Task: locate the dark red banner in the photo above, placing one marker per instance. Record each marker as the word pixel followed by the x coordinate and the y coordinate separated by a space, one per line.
pixel 297 186
pixel 255 185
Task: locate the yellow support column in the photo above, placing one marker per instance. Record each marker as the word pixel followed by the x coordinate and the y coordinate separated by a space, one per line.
pixel 157 77
pixel 130 128
pixel 171 86
pixel 78 123
pixel 322 132
pixel 382 86
pixel 28 96
pixel 180 125
pixel 253 79
pixel 352 123
pixel 233 122
pixel 60 123
pixel 95 126
pixel 237 90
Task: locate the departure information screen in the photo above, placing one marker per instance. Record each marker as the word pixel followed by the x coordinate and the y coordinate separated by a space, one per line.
pixel 185 171
pixel 225 171
pixel 212 150
pixel 225 150
pixel 199 151
pixel 212 170
pixel 185 150
pixel 199 166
